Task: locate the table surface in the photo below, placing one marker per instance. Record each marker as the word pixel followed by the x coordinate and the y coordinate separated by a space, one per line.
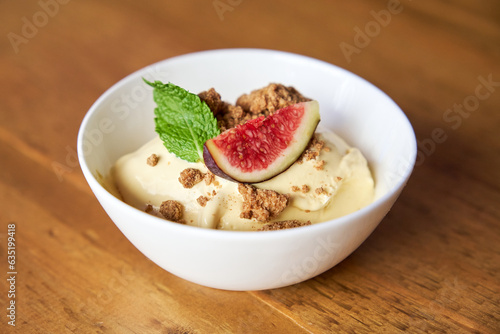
pixel 432 265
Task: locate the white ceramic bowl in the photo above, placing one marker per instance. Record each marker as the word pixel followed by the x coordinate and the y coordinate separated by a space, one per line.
pixel 121 120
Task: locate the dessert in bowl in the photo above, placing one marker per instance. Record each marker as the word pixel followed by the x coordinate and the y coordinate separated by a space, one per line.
pixel 121 122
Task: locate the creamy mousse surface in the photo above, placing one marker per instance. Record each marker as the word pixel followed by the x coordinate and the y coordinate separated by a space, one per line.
pixel 332 183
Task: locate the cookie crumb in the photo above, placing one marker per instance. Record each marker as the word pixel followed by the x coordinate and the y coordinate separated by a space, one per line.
pixel 319 144
pixel 338 178
pixel 172 210
pixel 190 177
pixel 321 191
pixel 319 165
pixel 209 178
pixel 261 204
pixel 228 116
pixel 303 189
pixel 312 150
pixel 285 224
pixel 153 160
pixel 149 208
pixel 213 100
pixel 202 200
pixel 265 101
pixel 260 102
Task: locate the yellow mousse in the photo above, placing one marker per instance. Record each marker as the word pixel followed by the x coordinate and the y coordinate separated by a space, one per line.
pixel 335 183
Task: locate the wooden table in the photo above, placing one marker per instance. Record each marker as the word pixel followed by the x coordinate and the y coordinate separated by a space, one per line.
pixel 433 264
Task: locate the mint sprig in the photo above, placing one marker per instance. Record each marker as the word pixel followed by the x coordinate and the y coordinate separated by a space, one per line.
pixel 183 121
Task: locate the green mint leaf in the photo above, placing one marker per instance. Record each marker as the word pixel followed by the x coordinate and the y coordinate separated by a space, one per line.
pixel 182 120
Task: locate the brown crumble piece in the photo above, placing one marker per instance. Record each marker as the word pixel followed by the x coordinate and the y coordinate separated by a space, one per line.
pixel 213 100
pixel 321 191
pixel 319 144
pixel 172 210
pixel 153 160
pixel 202 200
pixel 338 178
pixel 232 116
pixel 319 165
pixel 285 224
pixel 304 189
pixel 190 176
pixel 312 150
pixel 228 116
pixel 261 102
pixel 326 149
pixel 149 208
pixel 261 204
pixel 209 178
pixel 214 193
pixel 267 100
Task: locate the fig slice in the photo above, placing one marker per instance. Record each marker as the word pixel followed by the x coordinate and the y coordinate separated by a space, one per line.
pixel 263 147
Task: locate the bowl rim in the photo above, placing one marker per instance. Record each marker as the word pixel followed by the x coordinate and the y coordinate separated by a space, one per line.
pixel 236 234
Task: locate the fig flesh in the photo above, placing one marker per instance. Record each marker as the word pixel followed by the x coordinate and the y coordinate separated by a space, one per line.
pixel 263 147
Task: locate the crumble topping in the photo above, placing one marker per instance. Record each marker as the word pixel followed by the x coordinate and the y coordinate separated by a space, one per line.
pixel 261 204
pixel 260 102
pixel 321 191
pixel 209 178
pixel 267 100
pixel 304 189
pixel 319 165
pixel 281 225
pixel 149 209
pixel 202 200
pixel 190 177
pixel 313 150
pixel 153 160
pixel 232 116
pixel 228 116
pixel 172 210
pixel 213 100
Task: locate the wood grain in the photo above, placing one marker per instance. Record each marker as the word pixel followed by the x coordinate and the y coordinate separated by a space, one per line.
pixel 433 264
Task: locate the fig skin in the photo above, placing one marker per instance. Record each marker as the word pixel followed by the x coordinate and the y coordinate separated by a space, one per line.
pixel 213 167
